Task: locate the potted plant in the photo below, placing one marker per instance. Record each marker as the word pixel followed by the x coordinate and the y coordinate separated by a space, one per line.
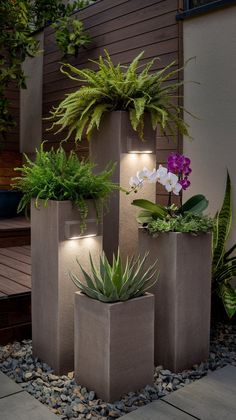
pixel 114 326
pixel 119 108
pixel 66 204
pixel 180 238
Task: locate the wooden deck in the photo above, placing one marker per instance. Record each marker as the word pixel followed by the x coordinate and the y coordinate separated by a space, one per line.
pixel 14 232
pixel 15 280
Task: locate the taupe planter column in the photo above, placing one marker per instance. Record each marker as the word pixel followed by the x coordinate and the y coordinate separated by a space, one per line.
pixel 53 255
pixel 182 297
pixel 114 142
pixel 114 345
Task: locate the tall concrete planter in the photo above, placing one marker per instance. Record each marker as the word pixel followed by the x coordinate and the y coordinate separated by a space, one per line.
pixel 52 290
pixel 182 297
pixel 114 142
pixel 114 349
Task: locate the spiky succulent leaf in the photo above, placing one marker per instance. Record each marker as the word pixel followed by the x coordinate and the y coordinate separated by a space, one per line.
pixel 113 282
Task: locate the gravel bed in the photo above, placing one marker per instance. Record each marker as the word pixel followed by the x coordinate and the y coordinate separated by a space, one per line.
pixel 70 401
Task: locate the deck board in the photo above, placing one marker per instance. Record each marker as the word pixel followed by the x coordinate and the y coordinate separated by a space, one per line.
pixel 10 252
pixel 17 265
pixel 15 275
pixel 9 287
pixel 19 222
pixel 21 250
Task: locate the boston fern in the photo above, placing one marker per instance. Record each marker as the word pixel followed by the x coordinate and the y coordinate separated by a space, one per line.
pixel 115 282
pixel 224 262
pixel 132 88
pixel 55 176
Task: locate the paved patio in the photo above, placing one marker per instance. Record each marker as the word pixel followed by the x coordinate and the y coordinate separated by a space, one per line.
pixel 16 404
pixel 210 398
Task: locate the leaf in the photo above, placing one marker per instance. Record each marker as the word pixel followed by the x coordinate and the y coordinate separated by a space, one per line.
pixel 223 222
pixel 196 204
pixel 228 295
pixel 155 209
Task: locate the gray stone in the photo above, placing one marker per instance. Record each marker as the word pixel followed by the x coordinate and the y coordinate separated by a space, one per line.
pixel 157 410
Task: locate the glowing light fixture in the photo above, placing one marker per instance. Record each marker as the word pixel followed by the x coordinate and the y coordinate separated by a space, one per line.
pixel 139 152
pixel 73 229
pixel 137 146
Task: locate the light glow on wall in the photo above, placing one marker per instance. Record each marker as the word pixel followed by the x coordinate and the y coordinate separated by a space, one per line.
pixel 73 229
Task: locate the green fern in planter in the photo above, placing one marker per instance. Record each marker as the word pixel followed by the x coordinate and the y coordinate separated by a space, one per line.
pixel 130 88
pixel 115 282
pixel 224 262
pixel 57 176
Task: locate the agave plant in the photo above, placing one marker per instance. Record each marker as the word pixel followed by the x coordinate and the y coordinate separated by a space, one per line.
pixel 224 262
pixel 130 88
pixel 113 282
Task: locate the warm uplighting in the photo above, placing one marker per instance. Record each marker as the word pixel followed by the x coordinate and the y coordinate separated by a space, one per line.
pixel 73 229
pixel 140 152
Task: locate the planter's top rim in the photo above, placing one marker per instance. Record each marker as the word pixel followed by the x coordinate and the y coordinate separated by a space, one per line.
pixel 155 235
pixel 109 304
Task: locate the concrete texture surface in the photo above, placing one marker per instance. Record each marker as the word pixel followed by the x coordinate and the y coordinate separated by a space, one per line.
pixel 182 297
pixel 111 144
pixel 52 289
pixel 114 345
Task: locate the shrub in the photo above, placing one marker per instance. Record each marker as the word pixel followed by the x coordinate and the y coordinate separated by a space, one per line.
pixel 115 282
pixel 130 88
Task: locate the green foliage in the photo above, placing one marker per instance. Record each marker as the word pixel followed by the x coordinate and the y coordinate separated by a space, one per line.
pixel 151 211
pixel 69 31
pixel 196 204
pixel 189 223
pixel 56 176
pixel 70 35
pixel 114 282
pixel 224 262
pixel 16 43
pixel 132 88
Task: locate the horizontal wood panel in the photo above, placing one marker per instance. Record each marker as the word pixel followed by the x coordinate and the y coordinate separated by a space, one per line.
pixel 164 27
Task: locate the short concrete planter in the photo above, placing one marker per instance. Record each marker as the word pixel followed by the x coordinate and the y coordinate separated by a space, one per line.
pixel 114 348
pixel 53 256
pixel 182 297
pixel 114 142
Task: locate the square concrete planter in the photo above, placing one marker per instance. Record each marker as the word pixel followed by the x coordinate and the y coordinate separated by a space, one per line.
pixel 113 143
pixel 53 256
pixel 182 297
pixel 114 348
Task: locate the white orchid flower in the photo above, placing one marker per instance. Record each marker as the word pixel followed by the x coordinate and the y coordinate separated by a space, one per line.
pixel 147 175
pixel 135 182
pixel 171 184
pixel 161 173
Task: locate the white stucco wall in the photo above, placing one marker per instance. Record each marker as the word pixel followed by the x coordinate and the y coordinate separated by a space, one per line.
pixel 211 39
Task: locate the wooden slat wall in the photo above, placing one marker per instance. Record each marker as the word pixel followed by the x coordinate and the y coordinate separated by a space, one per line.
pixel 11 143
pixel 124 28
